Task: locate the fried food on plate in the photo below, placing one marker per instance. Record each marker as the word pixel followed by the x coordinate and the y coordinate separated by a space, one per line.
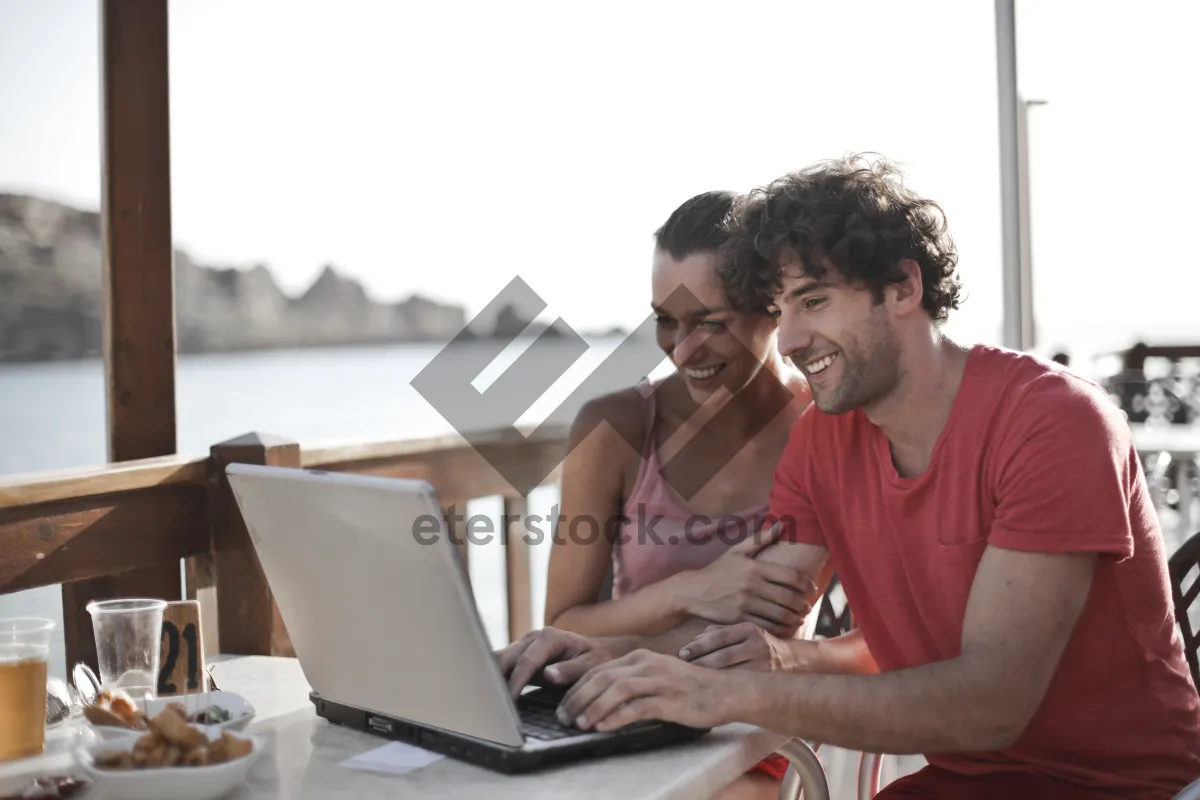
pixel 172 742
pixel 115 709
pixel 171 725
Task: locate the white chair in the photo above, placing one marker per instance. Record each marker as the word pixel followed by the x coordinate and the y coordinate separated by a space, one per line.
pixel 1190 792
pixel 869 767
pixel 805 777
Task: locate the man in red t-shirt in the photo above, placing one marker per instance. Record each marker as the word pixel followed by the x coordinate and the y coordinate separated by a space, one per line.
pixel 985 511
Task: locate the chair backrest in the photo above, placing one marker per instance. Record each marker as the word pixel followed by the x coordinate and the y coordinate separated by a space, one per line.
pixel 831 622
pixel 1182 562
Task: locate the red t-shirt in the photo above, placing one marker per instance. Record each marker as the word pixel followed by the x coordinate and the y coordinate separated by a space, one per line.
pixel 1032 458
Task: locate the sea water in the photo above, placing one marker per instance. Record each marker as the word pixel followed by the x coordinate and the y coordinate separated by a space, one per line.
pixel 52 417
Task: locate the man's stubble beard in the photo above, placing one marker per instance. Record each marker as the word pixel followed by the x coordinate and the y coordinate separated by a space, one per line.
pixel 865 379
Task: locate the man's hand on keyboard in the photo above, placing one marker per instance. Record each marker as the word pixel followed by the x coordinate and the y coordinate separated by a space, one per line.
pixel 649 686
pixel 566 656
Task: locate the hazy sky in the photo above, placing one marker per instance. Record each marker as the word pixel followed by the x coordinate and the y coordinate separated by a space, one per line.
pixel 446 147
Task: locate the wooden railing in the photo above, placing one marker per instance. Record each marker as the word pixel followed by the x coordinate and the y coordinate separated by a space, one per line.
pixel 94 524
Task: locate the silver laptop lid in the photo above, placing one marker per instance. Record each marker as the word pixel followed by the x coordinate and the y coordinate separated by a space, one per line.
pixel 372 593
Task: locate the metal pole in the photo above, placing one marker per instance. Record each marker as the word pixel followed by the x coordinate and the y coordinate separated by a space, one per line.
pixel 1010 175
pixel 1023 204
pixel 1028 318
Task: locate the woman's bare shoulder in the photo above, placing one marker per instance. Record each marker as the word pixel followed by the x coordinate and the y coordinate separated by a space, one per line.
pixel 623 411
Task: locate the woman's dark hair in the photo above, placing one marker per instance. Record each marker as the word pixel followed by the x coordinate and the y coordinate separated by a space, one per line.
pixel 849 214
pixel 697 226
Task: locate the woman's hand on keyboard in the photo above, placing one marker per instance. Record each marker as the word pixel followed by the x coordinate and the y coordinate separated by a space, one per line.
pixel 565 656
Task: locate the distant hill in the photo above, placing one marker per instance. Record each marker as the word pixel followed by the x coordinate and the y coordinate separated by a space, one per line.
pixel 51 261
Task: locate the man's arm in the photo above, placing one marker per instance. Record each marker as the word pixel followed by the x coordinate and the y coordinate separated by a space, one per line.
pixel 747 646
pixel 840 655
pixel 1022 610
pixel 1020 615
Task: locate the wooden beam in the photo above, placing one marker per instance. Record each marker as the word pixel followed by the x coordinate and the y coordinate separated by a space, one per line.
pixel 327 456
pixel 110 479
pixel 97 536
pixel 248 620
pixel 459 473
pixel 517 573
pixel 139 307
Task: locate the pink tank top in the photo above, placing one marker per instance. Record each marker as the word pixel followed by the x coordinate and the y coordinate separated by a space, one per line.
pixel 663 536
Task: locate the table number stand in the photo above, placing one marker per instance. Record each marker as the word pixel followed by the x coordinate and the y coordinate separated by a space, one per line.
pixel 181 660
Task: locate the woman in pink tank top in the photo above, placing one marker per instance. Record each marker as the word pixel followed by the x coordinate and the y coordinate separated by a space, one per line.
pixel 664 480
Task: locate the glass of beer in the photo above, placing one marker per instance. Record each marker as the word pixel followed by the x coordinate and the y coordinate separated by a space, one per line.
pixel 24 658
pixel 128 643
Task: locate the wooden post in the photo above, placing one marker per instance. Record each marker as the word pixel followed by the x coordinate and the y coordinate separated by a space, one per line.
pixel 139 307
pixel 248 621
pixel 516 554
pixel 139 341
pixel 456 528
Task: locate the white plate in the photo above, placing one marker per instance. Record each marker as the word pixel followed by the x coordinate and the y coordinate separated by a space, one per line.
pixel 178 783
pixel 239 708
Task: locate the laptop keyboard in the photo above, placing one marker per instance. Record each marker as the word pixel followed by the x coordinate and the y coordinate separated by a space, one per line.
pixel 537 711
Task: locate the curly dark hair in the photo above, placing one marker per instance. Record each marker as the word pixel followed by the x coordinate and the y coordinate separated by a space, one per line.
pixel 850 214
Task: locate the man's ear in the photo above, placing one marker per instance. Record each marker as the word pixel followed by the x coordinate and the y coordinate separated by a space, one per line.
pixel 906 295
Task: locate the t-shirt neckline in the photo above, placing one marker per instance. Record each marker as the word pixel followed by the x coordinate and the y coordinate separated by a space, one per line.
pixel 961 400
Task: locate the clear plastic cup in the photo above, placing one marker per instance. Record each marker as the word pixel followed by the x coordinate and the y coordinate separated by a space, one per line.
pixel 128 643
pixel 24 659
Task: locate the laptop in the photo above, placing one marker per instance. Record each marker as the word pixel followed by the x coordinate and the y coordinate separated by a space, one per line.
pixel 379 611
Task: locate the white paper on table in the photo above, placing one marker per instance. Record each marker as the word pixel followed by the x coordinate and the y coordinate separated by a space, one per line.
pixel 396 758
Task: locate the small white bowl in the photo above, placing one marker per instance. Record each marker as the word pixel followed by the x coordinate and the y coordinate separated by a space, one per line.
pixel 178 783
pixel 239 708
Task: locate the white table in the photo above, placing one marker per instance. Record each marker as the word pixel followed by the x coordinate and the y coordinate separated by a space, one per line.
pixel 303 755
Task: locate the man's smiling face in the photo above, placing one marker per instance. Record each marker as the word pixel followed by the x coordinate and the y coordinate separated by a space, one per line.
pixel 839 335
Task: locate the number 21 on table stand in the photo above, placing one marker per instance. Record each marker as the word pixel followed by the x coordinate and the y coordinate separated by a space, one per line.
pixel 181 660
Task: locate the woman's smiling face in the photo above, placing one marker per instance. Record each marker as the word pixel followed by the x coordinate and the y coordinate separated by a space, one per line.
pixel 710 344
